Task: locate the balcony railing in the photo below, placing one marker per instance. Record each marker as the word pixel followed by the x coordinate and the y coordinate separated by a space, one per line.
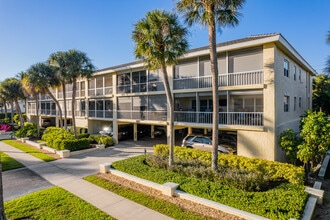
pixel 141 87
pixel 142 115
pixel 225 118
pixel 100 114
pixel 231 79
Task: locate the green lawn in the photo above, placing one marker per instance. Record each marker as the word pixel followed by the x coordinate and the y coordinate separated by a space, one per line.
pixel 30 150
pixel 151 202
pixel 52 203
pixel 9 163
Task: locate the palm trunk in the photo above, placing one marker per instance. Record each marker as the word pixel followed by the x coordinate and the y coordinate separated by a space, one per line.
pixel 215 94
pixel 171 116
pixel 12 112
pixel 2 209
pixel 6 110
pixel 64 105
pixel 73 104
pixel 58 106
pixel 38 114
pixel 18 109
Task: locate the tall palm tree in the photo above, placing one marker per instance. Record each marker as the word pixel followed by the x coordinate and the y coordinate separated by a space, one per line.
pixel 327 68
pixel 57 61
pixel 3 101
pixel 76 64
pixel 30 88
pixel 43 75
pixel 12 90
pixel 212 13
pixel 159 41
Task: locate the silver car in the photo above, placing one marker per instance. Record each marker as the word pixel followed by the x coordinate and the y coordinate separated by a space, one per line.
pixel 201 142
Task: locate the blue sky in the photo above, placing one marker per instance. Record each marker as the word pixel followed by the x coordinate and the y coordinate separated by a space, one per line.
pixel 33 29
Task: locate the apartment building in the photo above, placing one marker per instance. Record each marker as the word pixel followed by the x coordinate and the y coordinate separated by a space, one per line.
pixel 265 85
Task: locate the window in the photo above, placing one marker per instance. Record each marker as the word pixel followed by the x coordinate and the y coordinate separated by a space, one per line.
pixel 299 102
pixel 295 73
pixel 300 75
pixel 286 103
pixel 286 68
pixel 294 103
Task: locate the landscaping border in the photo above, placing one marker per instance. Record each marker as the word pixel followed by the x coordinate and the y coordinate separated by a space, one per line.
pixel 170 189
pixel 61 153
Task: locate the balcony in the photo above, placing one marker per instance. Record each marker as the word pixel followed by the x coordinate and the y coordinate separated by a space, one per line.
pixel 142 115
pixel 231 79
pixel 225 118
pixel 100 114
pixel 150 86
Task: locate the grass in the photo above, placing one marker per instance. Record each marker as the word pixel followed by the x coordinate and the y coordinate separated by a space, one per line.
pixel 9 163
pixel 52 203
pixel 29 150
pixel 151 202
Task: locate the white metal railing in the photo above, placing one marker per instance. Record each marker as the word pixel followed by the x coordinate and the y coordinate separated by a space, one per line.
pixel 100 114
pixel 141 87
pixel 225 118
pixel 142 115
pixel 230 79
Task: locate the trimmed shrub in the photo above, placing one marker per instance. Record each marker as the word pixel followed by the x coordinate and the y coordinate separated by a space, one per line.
pixel 83 135
pixel 272 169
pixel 75 144
pixel 29 130
pixel 100 139
pixel 284 201
pixel 54 134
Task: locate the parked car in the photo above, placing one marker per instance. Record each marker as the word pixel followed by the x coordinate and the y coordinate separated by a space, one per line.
pixel 46 123
pixel 228 139
pixel 201 142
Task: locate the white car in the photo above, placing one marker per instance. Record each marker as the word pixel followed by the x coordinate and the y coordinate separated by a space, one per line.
pixel 201 142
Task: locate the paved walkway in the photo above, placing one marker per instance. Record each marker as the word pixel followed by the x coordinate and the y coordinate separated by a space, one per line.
pixel 68 172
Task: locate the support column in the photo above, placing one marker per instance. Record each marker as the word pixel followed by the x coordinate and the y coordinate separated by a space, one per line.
pixel 189 130
pixel 135 131
pixel 152 131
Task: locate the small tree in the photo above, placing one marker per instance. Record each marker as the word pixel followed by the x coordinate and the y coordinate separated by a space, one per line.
pixel 315 134
pixel 289 142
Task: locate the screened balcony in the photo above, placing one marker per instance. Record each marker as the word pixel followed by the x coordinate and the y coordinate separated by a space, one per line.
pixel 225 118
pixel 142 115
pixel 231 79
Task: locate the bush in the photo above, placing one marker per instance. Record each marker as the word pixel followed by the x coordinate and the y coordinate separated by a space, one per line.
pixel 83 135
pixel 274 170
pixel 6 127
pixel 74 144
pixel 106 140
pixel 54 135
pixel 100 139
pixel 29 130
pixel 284 201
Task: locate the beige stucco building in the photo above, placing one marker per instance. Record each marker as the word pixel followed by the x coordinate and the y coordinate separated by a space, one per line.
pixel 265 85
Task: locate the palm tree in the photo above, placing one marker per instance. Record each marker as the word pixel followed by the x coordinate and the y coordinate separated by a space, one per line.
pixel 57 61
pixel 3 101
pixel 43 75
pixel 159 41
pixel 327 68
pixel 30 88
pixel 12 90
pixel 76 65
pixel 212 13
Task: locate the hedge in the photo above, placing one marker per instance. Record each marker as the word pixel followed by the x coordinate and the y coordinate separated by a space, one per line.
pixel 282 202
pixel 275 170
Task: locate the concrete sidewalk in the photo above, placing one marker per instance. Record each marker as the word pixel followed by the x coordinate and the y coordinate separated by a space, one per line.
pixel 67 173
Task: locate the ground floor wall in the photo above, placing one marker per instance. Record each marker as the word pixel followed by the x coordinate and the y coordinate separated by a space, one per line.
pixel 256 144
